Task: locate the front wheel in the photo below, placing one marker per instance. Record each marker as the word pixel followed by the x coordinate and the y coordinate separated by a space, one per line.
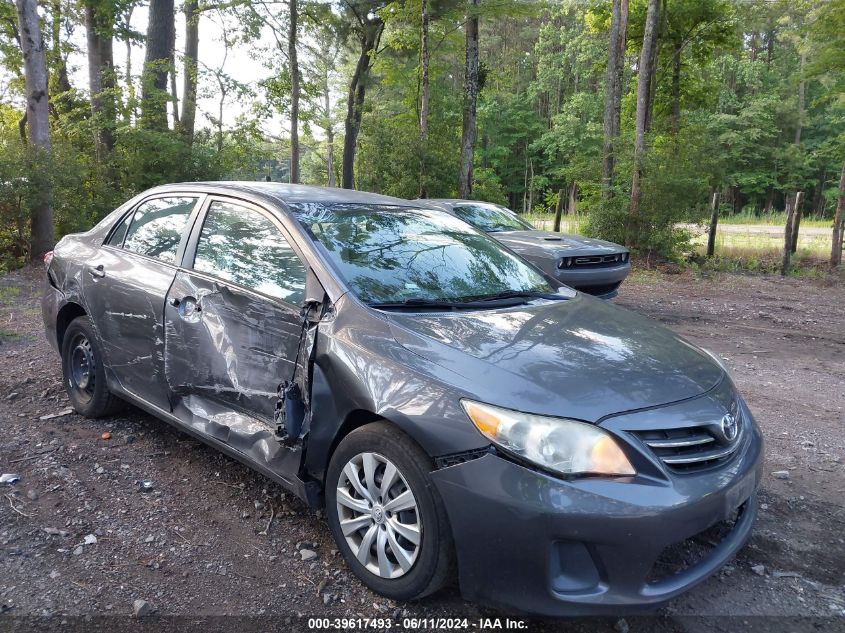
pixel 385 514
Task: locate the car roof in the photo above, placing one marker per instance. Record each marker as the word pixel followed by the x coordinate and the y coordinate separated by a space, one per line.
pixel 288 194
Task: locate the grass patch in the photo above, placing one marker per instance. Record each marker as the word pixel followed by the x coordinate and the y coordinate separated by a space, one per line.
pixel 9 293
pixel 10 336
pixel 773 219
pixel 753 243
pixel 804 264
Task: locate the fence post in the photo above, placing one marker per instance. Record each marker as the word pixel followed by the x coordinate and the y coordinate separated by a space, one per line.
pixel 791 204
pixel 714 222
pixel 796 223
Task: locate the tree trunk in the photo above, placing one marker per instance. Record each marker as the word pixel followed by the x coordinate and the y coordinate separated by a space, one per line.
pixel 817 205
pixel 530 183
pixel 770 200
pixel 613 93
pixel 559 209
pixel 295 79
pixel 190 68
pixel 38 124
pixel 801 98
pixel 470 107
pixel 327 104
pixel 620 68
pixel 101 77
pixel 424 96
pixel 838 223
pixel 62 83
pixel 572 207
pixel 174 94
pixel 792 204
pixel 160 37
pixel 130 85
pixel 369 37
pixel 643 89
pixel 676 89
pixel 714 223
pixel 770 47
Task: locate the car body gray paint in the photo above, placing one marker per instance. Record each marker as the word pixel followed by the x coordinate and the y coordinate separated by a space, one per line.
pixel 576 357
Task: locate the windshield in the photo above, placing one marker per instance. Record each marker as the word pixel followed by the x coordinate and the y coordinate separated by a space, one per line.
pixel 393 254
pixel 490 217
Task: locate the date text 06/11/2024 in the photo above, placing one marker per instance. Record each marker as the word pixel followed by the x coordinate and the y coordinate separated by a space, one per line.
pixel 411 624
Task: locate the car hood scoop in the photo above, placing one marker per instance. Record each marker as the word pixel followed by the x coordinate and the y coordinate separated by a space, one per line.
pixel 582 358
pixel 546 243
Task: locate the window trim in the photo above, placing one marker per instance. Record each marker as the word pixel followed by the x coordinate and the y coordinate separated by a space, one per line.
pixel 186 231
pixel 190 253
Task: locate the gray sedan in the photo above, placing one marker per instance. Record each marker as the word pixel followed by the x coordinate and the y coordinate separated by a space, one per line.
pixel 586 264
pixel 453 410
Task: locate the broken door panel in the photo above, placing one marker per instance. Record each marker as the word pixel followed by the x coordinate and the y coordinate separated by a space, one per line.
pixel 227 345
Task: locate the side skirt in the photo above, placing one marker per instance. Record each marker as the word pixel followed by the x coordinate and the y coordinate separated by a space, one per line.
pixel 309 491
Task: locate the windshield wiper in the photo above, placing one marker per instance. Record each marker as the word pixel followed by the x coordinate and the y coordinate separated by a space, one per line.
pixel 467 302
pixel 515 294
pixel 419 302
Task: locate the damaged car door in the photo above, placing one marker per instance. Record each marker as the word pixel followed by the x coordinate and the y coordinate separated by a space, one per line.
pixel 124 285
pixel 233 323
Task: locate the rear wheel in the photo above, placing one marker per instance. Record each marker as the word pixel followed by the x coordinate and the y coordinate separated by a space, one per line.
pixel 84 372
pixel 385 514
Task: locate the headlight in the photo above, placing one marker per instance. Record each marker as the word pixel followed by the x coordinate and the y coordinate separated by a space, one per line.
pixel 564 446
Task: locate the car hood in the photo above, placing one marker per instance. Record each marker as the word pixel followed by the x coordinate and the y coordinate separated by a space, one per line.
pixel 546 243
pixel 581 358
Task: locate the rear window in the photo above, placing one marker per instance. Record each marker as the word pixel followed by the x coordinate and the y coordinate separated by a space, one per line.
pixel 157 225
pixel 490 217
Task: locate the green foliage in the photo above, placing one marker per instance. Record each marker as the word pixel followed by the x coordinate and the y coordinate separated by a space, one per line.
pixel 725 111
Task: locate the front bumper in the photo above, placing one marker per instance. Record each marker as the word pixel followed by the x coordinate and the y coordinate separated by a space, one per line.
pixel 534 543
pixel 601 282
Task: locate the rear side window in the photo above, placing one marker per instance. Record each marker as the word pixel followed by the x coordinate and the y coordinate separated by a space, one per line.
pixel 116 238
pixel 157 226
pixel 243 246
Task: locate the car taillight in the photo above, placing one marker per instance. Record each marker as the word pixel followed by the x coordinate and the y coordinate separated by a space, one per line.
pixel 48 257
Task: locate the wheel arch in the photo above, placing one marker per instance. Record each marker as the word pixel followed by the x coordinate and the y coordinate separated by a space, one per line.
pixel 65 316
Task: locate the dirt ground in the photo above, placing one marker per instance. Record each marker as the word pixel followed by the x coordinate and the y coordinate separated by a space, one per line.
pixel 78 538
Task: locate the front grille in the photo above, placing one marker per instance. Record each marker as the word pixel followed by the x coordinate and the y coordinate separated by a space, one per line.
pixel 692 448
pixel 593 261
pixel 692 551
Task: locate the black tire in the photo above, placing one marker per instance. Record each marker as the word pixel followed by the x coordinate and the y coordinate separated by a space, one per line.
pixel 434 563
pixel 84 373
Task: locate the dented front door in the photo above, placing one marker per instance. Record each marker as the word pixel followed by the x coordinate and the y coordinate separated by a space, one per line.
pixel 232 317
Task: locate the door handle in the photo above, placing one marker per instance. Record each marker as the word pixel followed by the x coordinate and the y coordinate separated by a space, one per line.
pixel 97 271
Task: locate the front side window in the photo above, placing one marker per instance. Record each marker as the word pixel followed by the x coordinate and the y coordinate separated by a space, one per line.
pixel 243 246
pixel 491 218
pixel 157 226
pixel 395 254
